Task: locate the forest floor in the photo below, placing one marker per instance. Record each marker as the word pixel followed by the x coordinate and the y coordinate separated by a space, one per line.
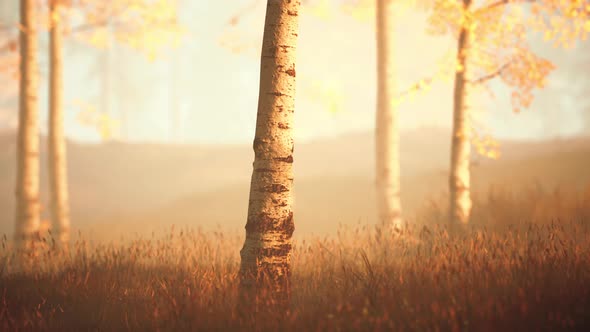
pixel 511 271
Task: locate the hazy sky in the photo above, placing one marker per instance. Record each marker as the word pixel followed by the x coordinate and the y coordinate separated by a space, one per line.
pixel 336 57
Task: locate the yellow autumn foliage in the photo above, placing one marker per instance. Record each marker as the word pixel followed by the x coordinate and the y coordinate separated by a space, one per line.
pixel 485 145
pixel 361 10
pixel 561 21
pixel 499 47
pixel 103 124
pixel 147 26
pixel 323 9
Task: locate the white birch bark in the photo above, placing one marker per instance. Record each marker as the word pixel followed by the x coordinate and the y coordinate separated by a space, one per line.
pixel 27 178
pixel 266 254
pixel 58 178
pixel 459 180
pixel 386 128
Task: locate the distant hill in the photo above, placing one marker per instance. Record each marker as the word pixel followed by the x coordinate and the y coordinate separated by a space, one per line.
pixel 323 202
pixel 151 185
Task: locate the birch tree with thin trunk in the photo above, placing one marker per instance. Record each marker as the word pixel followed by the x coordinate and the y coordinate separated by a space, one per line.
pixel 266 255
pixel 58 178
pixel 386 127
pixel 492 43
pixel 174 97
pixel 27 170
pixel 459 179
pixel 105 64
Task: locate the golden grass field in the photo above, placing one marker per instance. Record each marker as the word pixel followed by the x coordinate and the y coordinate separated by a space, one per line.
pixel 532 275
pixel 523 265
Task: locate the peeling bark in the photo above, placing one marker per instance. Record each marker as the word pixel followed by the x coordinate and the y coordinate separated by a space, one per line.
pixel 58 178
pixel 27 170
pixel 459 180
pixel 266 255
pixel 386 128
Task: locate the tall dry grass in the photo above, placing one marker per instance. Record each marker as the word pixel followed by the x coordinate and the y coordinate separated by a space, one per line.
pixel 515 277
pixel 501 206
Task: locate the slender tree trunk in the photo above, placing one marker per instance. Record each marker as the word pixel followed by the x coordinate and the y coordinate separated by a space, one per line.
pixel 124 103
pixel 174 99
pixel 266 254
pixel 58 178
pixel 386 129
pixel 124 91
pixel 106 77
pixel 27 178
pixel 459 180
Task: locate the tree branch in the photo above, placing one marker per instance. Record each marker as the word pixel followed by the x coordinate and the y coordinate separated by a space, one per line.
pixel 490 76
pixel 500 3
pixel 420 85
pixel 100 24
pixel 88 27
pixel 104 22
pixel 494 5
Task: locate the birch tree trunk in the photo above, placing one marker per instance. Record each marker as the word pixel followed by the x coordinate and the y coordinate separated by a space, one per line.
pixel 459 180
pixel 386 128
pixel 266 254
pixel 174 98
pixel 27 171
pixel 58 178
pixel 106 76
pixel 123 92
